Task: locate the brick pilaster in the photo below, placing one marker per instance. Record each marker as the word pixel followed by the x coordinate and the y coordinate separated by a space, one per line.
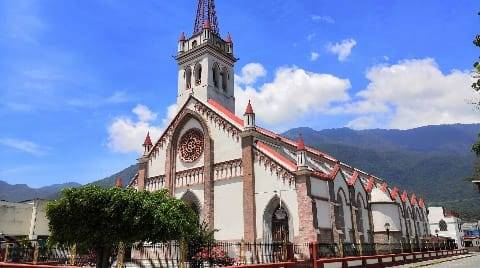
pixel 249 211
pixel 208 183
pixel 142 173
pixel 307 210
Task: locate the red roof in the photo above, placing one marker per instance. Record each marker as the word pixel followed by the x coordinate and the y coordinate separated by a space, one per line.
pixel 370 184
pixel 206 24
pixel 384 187
pixel 229 38
pixel 421 203
pixel 226 112
pixel 148 141
pixel 404 196
pixel 413 199
pixel 182 37
pixel 277 156
pixel 394 193
pixel 249 109
pixel 118 182
pixel 353 179
pixel 300 144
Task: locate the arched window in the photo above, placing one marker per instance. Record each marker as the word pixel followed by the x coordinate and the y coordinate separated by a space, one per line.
pixel 194 44
pixel 360 206
pixel 198 74
pixel 188 78
pixel 216 75
pixel 224 79
pixel 339 214
pixel 442 225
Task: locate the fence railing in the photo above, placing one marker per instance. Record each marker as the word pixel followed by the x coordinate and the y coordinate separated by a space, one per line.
pixel 171 254
pixel 37 252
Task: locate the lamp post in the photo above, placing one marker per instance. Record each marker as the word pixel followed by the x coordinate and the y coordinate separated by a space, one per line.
pixel 436 233
pixel 387 229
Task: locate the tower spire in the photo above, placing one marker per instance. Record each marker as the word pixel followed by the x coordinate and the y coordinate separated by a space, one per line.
pixel 206 15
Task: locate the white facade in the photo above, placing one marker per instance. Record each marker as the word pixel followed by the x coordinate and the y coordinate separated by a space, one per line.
pixel 452 223
pixel 26 219
pixel 250 183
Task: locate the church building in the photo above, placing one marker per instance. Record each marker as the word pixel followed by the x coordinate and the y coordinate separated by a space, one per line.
pixel 252 184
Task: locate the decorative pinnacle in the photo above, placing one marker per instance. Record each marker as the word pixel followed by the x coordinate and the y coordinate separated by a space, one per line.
pixel 206 15
pixel 249 109
pixel 148 141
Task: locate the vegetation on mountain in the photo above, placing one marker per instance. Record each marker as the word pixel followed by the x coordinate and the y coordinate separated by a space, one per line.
pixel 431 161
pixel 95 218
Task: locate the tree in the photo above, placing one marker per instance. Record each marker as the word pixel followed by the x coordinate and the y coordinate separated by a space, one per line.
pixel 94 218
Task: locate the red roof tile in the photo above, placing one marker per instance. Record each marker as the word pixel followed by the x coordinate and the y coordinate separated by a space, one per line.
pixel 353 179
pixel 421 203
pixel 148 141
pixel 300 144
pixel 404 196
pixel 413 199
pixel 384 187
pixel 229 38
pixel 370 184
pixel 394 193
pixel 182 37
pixel 225 111
pixel 249 109
pixel 276 156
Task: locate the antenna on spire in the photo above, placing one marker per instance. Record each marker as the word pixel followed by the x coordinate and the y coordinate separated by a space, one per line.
pixel 206 15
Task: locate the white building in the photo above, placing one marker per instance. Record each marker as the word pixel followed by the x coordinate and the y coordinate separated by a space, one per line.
pixel 253 184
pixel 446 223
pixel 25 219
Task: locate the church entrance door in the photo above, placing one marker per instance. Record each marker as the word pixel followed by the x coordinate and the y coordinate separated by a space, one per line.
pixel 280 235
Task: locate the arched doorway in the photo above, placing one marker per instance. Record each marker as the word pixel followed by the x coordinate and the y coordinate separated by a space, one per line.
pixel 280 232
pixel 277 222
pixel 192 200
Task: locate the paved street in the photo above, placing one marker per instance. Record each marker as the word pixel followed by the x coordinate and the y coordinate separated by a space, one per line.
pixel 466 261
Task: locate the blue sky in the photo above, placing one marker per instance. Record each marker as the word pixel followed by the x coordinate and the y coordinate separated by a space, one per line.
pixel 80 81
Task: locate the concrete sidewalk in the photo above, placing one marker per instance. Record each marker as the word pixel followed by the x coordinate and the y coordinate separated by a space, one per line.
pixel 441 262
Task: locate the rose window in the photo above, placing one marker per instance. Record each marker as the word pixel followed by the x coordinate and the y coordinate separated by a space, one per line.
pixel 191 145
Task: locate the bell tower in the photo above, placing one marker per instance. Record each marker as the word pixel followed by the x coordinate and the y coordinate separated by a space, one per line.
pixel 205 61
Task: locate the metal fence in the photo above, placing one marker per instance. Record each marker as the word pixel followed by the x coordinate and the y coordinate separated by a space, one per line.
pixel 34 251
pixel 216 254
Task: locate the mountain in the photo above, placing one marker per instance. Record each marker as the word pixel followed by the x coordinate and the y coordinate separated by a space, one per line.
pixel 432 161
pixel 21 192
pixel 126 175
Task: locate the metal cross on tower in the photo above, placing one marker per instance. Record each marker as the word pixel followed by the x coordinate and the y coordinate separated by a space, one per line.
pixel 206 14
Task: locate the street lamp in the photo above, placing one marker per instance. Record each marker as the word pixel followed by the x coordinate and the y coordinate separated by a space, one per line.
pixel 387 229
pixel 436 233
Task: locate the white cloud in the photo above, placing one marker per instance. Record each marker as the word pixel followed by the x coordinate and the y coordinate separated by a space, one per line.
pixel 311 36
pixel 25 146
pixel 144 114
pixel 292 94
pixel 342 49
pixel 250 73
pixel 326 19
pixel 20 21
pixel 127 135
pixel 414 93
pixel 314 56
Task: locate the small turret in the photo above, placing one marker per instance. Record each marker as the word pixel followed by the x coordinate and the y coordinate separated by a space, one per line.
pixel 147 144
pixel 249 117
pixel 229 43
pixel 118 182
pixel 301 154
pixel 206 30
pixel 181 43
